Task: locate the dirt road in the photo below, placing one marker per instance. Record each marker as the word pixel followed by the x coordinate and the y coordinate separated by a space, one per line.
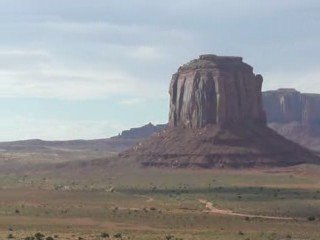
pixel 211 209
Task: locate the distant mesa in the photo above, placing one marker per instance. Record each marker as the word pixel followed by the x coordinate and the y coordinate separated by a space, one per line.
pixel 294 115
pixel 140 132
pixel 217 119
pixel 289 105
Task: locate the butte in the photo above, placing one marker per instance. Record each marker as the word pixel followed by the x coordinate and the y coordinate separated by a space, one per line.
pixel 217 120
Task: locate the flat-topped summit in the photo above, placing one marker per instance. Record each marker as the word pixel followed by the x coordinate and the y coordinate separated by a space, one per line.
pixel 215 90
pixel 213 57
pixel 212 61
pixel 287 90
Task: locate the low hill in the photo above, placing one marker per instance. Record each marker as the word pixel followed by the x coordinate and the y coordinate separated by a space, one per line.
pixel 39 151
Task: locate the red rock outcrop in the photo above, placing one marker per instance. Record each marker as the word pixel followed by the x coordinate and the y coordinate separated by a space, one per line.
pixel 216 119
pixel 215 90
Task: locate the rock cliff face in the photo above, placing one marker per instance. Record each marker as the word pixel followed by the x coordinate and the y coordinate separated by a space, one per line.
pixel 216 119
pixel 294 115
pixel 311 111
pixel 215 90
pixel 289 105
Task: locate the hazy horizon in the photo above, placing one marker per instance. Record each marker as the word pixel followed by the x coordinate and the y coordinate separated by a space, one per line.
pixel 87 70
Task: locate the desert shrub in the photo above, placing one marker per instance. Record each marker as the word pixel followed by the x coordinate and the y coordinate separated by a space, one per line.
pixel 49 238
pixel 10 236
pixel 272 236
pixel 145 210
pixel 169 237
pixel 311 218
pixel 118 235
pixel 39 236
pixel 29 238
pixel 104 235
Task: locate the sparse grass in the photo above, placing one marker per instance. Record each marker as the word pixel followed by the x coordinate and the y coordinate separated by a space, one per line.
pixel 155 203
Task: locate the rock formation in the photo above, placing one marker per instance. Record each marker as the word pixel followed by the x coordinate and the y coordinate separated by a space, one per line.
pixel 284 105
pixel 215 90
pixel 294 115
pixel 289 105
pixel 311 111
pixel 216 119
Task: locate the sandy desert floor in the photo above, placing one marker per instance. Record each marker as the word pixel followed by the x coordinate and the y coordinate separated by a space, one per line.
pixel 134 203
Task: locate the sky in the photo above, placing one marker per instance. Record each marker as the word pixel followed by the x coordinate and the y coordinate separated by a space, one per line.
pixel 80 69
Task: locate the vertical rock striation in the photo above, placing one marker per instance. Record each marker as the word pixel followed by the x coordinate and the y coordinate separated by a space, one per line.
pixel 310 116
pixel 215 90
pixel 289 105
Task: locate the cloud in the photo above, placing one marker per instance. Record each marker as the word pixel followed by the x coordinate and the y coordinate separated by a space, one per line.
pixel 48 49
pixel 81 60
pixel 23 52
pixel 38 73
pixel 66 84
